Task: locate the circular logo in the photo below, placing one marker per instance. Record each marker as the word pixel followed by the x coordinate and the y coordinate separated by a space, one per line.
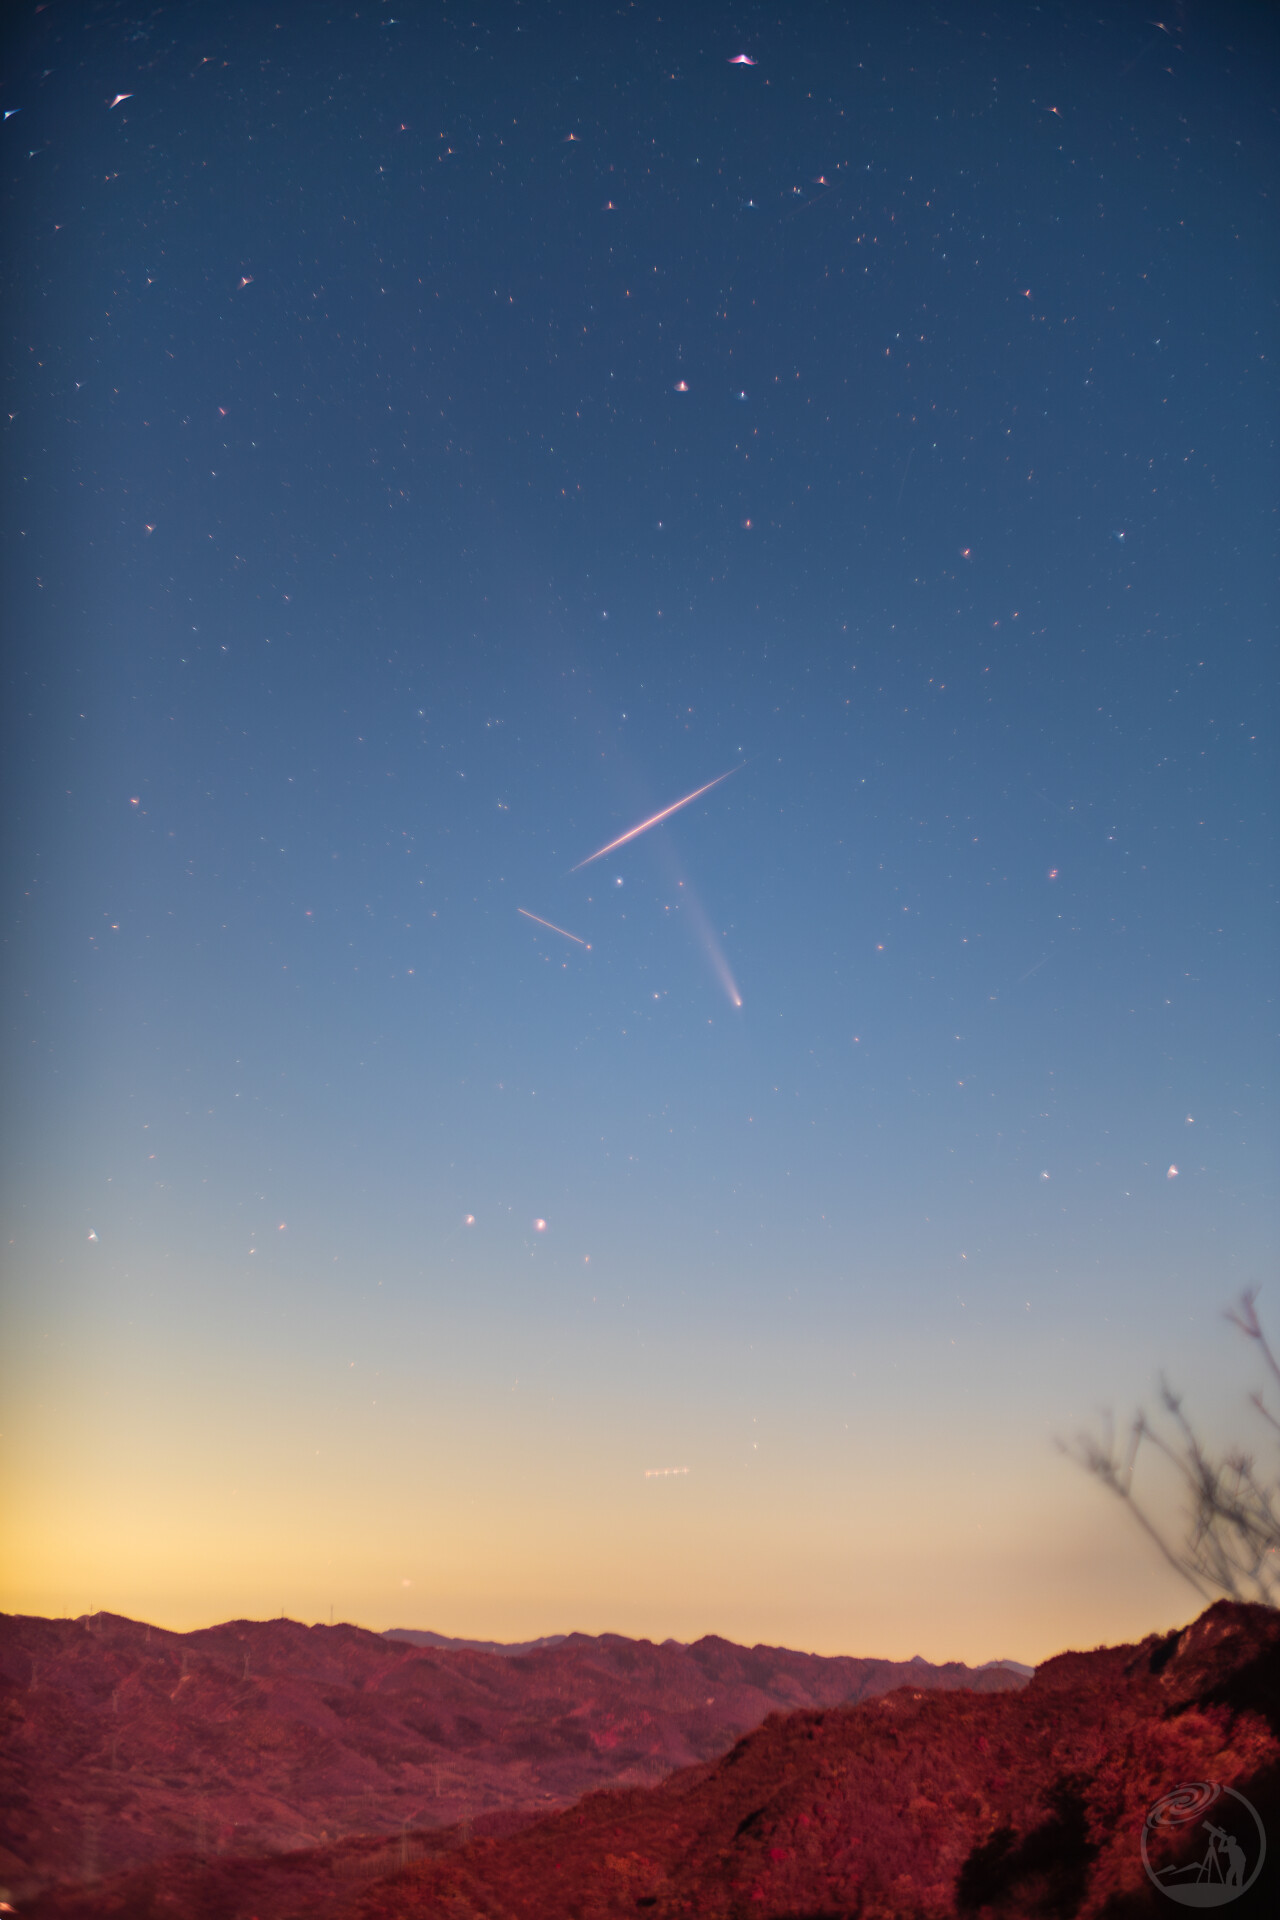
pixel 1203 1845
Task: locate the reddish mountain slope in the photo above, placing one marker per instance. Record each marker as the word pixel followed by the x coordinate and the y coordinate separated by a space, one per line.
pixel 915 1806
pixel 918 1804
pixel 126 1745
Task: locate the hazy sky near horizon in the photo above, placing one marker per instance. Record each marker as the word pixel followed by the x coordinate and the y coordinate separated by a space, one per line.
pixel 441 438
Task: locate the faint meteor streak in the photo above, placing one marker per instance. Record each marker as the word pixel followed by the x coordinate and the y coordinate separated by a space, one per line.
pixel 644 826
pixel 554 928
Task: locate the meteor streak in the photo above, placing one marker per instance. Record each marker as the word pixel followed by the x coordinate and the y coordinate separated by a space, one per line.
pixel 644 826
pixel 554 928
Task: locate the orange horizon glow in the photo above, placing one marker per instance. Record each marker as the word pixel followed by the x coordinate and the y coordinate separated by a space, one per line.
pixel 206 1498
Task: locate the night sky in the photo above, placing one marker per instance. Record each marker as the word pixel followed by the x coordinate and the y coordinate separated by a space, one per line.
pixel 440 439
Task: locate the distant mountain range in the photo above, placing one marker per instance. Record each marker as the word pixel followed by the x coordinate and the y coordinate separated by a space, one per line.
pixel 126 1745
pixel 1004 1802
pixel 422 1637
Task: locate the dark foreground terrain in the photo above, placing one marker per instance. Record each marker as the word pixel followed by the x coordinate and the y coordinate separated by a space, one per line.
pixel 917 1805
pixel 129 1748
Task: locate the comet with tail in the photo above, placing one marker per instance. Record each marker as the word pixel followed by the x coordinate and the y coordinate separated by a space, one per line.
pixel 653 820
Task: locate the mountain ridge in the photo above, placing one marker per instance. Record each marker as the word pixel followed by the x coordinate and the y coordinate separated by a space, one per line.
pixel 127 1743
pixel 424 1637
pixel 1032 1803
pixel 427 1637
pixel 1004 1803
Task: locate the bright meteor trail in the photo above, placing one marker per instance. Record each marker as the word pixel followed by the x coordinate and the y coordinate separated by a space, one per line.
pixel 644 826
pixel 554 928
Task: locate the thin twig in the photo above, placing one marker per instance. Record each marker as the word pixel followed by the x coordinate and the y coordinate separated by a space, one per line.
pixel 1232 1539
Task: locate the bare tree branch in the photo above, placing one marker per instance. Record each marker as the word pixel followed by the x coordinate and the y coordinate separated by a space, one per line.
pixel 1231 1523
pixel 1245 1316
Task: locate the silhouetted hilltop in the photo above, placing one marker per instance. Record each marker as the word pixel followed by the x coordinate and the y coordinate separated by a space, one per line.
pixel 127 1744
